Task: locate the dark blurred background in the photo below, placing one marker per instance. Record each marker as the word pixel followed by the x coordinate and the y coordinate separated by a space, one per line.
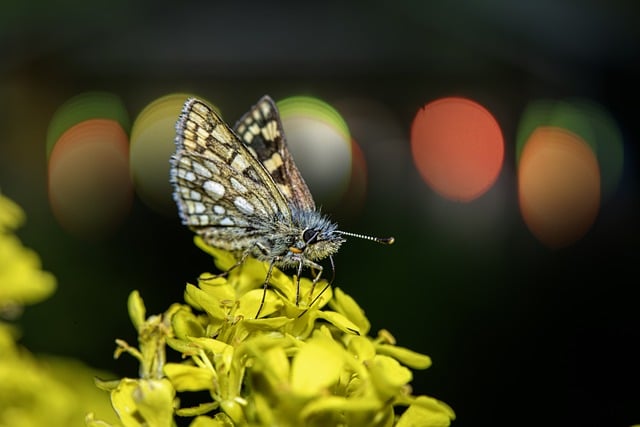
pixel 519 333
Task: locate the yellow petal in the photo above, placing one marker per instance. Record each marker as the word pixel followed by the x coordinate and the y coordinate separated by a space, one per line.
pixel 185 324
pixel 316 365
pixel 407 357
pixel 347 306
pixel 201 300
pixel 220 420
pixel 266 325
pixel 362 348
pixel 339 404
pixel 275 368
pixel 388 376
pixel 426 412
pixel 341 322
pixel 218 287
pixel 144 402
pixel 250 302
pixel 201 409
pixel 189 378
pixel 137 310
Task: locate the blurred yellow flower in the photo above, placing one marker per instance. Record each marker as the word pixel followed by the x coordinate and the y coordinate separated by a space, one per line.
pixel 22 281
pixel 35 391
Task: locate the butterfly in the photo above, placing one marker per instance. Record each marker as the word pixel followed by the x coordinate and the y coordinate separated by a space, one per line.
pixel 240 190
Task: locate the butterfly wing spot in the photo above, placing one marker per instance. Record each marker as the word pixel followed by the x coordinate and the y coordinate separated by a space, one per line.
pixel 194 207
pixel 199 220
pixel 285 189
pixel 214 189
pixel 247 137
pixel 201 170
pixel 186 175
pixel 243 205
pixel 239 163
pixel 226 221
pixel 254 129
pixel 270 131
pixel 237 185
pixel 218 209
pixel 266 109
pixel 273 162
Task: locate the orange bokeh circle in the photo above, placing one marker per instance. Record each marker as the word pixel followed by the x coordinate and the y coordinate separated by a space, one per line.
pixel 90 190
pixel 558 186
pixel 458 148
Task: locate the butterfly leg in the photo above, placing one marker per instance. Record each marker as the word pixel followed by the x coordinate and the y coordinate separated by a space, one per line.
pixel 316 279
pixel 237 264
pixel 265 285
pixel 300 264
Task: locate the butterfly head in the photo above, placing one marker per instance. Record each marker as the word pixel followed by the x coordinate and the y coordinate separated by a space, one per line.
pixel 315 236
pixel 319 238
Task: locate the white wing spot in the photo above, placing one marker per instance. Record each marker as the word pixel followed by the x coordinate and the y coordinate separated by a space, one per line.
pixel 266 108
pixel 194 195
pixel 255 129
pixel 226 221
pixel 220 133
pixel 199 220
pixel 273 162
pixel 218 209
pixel 237 186
pixel 270 131
pixel 211 167
pixel 186 175
pixel 243 205
pixel 198 208
pixel 214 189
pixel 201 170
pixel 239 163
pixel 247 137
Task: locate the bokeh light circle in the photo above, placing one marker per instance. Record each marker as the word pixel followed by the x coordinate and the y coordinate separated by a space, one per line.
pixel 320 143
pixel 457 147
pixel 152 144
pixel 558 186
pixel 90 191
pixel 85 106
pixel 586 119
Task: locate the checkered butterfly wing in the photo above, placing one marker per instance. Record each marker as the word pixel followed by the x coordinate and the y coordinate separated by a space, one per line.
pixel 222 191
pixel 261 131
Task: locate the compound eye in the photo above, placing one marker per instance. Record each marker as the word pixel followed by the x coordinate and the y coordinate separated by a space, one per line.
pixel 309 235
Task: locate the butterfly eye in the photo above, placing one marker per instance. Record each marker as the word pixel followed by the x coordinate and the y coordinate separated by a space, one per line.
pixel 309 235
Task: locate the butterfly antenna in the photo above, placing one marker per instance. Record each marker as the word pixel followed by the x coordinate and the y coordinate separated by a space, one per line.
pixel 383 240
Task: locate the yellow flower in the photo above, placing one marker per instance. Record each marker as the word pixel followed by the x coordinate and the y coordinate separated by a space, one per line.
pixel 305 364
pixel 21 279
pixel 43 391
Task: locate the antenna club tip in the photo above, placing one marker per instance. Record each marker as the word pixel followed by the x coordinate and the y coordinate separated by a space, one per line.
pixel 388 240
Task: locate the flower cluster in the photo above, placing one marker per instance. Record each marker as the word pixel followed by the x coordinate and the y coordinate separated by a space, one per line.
pixel 297 364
